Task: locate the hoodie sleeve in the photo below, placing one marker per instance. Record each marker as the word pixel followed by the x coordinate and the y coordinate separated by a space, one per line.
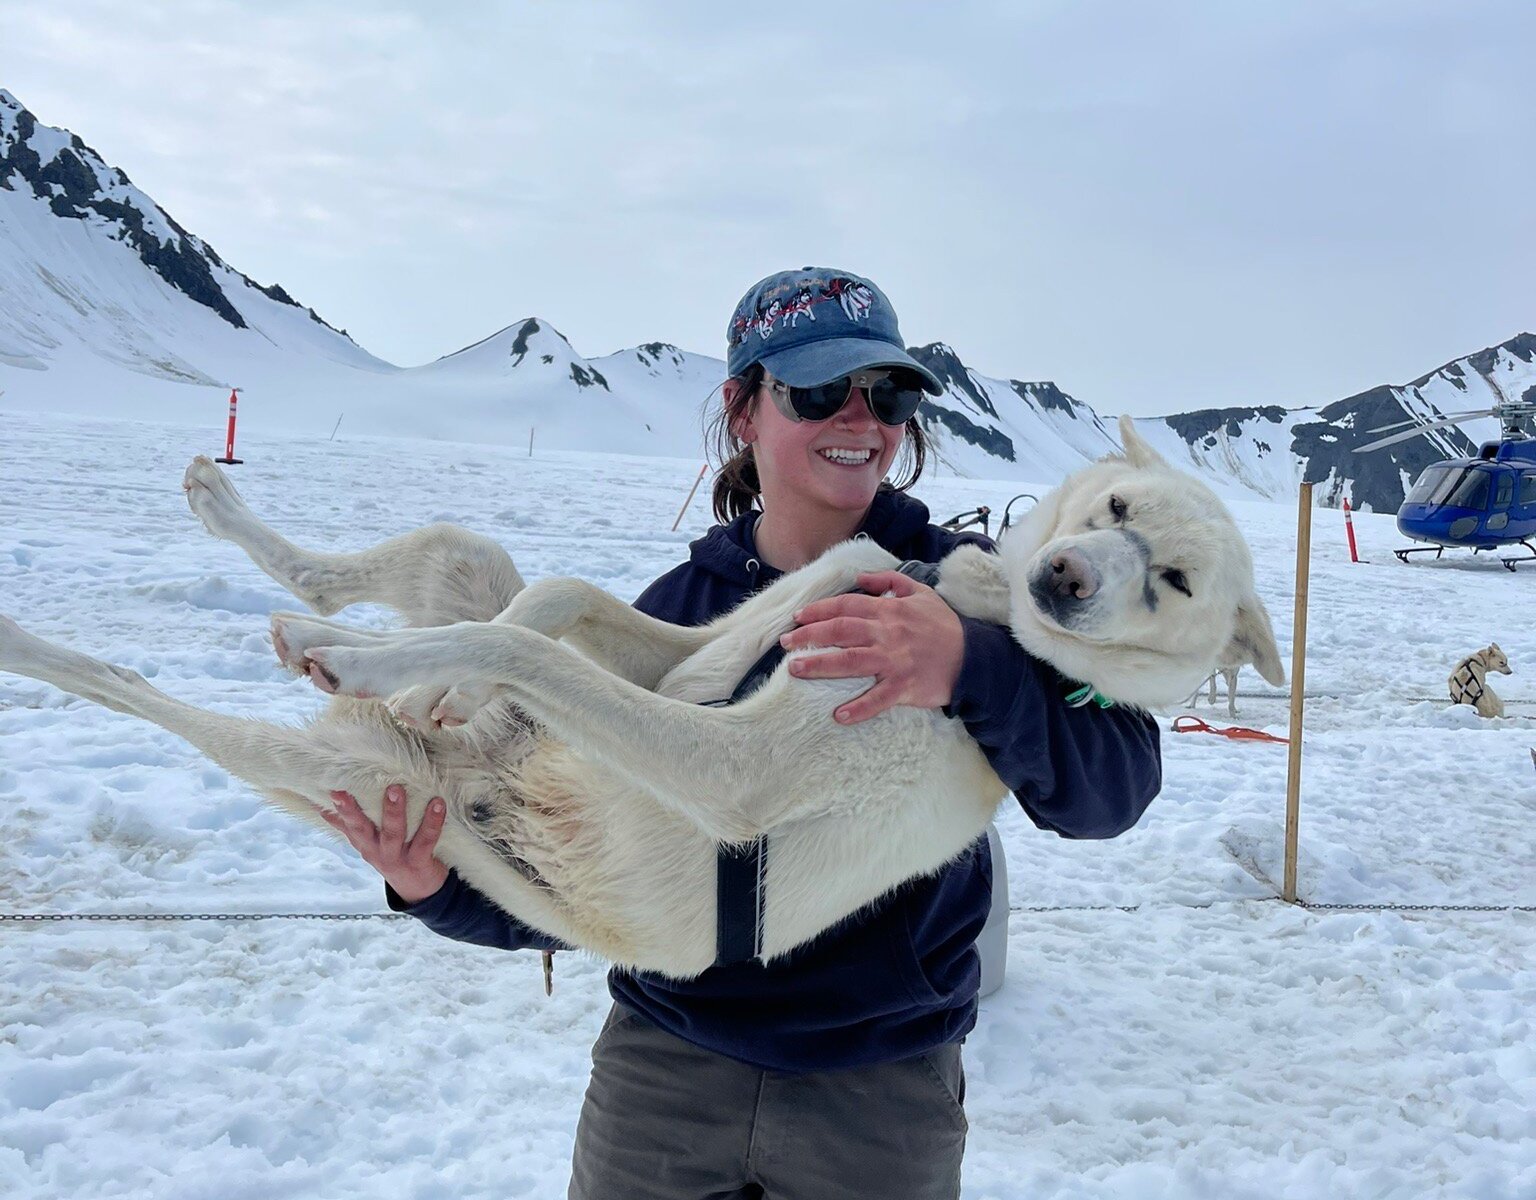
pixel 458 911
pixel 1084 772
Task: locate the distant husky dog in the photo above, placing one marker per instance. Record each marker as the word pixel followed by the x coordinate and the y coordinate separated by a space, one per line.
pixel 588 790
pixel 1234 658
pixel 1469 681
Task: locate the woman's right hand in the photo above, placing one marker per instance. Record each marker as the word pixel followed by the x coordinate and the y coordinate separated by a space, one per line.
pixel 408 867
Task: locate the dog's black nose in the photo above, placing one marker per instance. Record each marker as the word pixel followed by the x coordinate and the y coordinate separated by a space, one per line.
pixel 1072 577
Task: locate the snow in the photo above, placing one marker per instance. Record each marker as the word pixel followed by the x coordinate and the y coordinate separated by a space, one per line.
pixel 1212 1042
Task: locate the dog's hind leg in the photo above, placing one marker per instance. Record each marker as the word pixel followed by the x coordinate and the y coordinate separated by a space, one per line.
pixel 734 772
pixel 431 576
pixel 297 768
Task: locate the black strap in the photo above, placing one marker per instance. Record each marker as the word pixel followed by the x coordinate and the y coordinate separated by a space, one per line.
pixel 740 871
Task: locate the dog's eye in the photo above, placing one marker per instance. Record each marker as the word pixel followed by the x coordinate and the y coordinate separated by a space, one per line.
pixel 1177 581
pixel 1118 508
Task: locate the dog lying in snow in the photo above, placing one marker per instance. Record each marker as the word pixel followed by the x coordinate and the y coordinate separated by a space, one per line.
pixel 587 787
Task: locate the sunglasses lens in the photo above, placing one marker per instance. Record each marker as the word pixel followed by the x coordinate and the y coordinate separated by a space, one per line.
pixel 819 402
pixel 894 403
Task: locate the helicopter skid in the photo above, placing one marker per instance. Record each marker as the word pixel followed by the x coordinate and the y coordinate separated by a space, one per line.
pixel 1402 555
pixel 1437 551
pixel 1509 563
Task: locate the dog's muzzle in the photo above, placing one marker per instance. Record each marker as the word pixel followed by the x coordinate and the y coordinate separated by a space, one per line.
pixel 1075 578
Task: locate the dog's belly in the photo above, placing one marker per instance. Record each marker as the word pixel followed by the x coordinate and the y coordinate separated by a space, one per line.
pixel 820 871
pixel 579 851
pixel 615 872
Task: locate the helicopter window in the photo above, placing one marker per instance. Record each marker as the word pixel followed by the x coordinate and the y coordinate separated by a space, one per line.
pixel 1527 489
pixel 1505 491
pixel 1471 490
pixel 1428 485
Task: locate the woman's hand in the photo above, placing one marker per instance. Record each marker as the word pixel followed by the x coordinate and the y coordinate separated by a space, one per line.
pixel 408 867
pixel 910 641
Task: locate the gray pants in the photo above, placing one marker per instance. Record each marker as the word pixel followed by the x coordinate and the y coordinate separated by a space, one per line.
pixel 664 1120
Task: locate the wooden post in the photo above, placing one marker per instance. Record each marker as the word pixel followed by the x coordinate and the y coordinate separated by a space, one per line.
pixel 1298 687
pixel 689 501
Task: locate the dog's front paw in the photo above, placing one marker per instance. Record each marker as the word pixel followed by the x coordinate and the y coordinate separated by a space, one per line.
pixel 367 671
pixel 414 707
pixel 460 704
pixel 294 633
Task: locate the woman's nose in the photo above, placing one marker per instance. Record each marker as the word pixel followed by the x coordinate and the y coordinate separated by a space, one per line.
pixel 856 409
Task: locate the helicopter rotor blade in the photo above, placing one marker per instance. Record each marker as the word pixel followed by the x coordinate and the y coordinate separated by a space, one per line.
pixel 1479 412
pixel 1407 434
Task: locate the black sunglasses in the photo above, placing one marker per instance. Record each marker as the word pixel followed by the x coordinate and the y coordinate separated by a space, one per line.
pixel 893 399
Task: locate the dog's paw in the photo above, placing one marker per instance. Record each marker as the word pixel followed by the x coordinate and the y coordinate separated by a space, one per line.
pixel 460 704
pixel 294 633
pixel 212 497
pixel 414 707
pixel 357 670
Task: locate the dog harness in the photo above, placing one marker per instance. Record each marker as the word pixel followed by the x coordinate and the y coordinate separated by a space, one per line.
pixel 1469 688
pixel 741 871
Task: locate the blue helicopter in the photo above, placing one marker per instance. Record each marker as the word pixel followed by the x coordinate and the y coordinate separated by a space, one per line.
pixel 1481 503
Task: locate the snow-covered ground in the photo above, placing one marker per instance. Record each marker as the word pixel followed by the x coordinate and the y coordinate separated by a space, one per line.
pixel 1212 1042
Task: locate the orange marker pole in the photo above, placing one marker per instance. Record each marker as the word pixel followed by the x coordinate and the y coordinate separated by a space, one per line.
pixel 229 436
pixel 1349 528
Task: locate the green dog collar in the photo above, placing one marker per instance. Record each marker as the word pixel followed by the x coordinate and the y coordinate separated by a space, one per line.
pixel 1083 695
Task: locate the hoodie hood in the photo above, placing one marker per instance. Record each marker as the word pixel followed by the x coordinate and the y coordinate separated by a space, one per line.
pixel 895 521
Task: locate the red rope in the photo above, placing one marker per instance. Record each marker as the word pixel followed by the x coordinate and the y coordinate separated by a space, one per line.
pixel 1235 732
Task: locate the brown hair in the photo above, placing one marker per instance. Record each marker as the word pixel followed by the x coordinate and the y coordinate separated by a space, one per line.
pixel 737 487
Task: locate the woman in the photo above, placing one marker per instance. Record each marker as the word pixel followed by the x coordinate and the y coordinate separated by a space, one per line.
pixel 836 1070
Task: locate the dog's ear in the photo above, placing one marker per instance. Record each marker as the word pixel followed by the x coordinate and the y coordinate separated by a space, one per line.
pixel 1138 451
pixel 1256 636
pixel 1493 648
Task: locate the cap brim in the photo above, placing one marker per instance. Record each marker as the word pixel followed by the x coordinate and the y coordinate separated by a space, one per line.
pixel 821 362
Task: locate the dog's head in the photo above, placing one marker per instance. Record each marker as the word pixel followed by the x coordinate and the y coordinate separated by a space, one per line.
pixel 1494 660
pixel 1133 577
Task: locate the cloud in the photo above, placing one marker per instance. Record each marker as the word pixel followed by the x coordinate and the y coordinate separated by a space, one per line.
pixel 1158 206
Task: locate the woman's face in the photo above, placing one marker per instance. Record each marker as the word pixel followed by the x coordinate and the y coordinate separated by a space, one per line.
pixel 836 463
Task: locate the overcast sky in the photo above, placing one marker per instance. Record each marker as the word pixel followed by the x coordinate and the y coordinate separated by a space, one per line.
pixel 1158 206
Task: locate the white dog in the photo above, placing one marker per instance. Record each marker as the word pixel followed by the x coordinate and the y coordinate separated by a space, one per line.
pixel 1234 658
pixel 1469 684
pixel 588 789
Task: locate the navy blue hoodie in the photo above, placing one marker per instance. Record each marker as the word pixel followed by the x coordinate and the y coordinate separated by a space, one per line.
pixel 900 977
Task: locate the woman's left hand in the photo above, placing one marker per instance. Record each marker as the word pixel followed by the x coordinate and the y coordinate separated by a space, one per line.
pixel 910 641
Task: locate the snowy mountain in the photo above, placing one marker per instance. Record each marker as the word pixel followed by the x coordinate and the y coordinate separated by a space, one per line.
pixel 1271 450
pixel 108 301
pixel 113 309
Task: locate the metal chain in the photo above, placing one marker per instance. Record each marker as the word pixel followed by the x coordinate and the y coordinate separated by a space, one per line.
pixel 1312 905
pixel 258 916
pixel 1415 907
pixel 1316 906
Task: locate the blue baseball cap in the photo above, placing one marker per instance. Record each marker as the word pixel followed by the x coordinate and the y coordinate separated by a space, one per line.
pixel 814 325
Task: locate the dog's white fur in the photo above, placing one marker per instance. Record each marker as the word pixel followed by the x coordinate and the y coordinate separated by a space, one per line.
pixel 1468 683
pixel 588 790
